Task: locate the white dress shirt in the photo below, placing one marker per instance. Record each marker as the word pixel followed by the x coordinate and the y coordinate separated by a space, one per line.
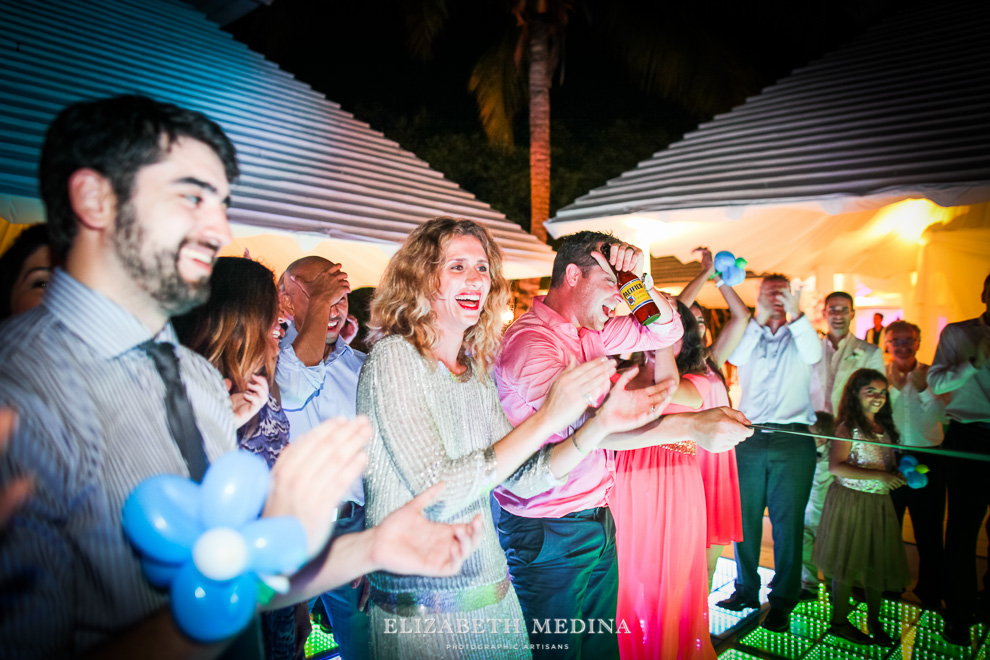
pixel 952 371
pixel 311 395
pixel 775 372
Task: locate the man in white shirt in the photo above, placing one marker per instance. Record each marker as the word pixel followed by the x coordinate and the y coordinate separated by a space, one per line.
pixel 842 354
pixel 918 416
pixel 962 367
pixel 774 358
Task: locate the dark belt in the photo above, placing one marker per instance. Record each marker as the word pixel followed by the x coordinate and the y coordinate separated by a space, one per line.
pixel 348 509
pixel 597 513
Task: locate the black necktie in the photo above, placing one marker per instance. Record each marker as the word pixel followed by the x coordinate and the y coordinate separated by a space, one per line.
pixel 178 409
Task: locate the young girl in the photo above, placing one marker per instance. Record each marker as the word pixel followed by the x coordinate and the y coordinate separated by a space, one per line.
pixel 859 538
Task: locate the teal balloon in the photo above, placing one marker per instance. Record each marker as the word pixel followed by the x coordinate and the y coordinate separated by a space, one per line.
pixel 916 479
pixel 234 490
pixel 724 260
pixel 733 275
pixel 908 463
pixel 161 517
pixel 275 545
pixel 209 611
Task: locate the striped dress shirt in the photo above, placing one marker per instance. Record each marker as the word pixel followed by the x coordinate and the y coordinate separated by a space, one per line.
pixel 92 425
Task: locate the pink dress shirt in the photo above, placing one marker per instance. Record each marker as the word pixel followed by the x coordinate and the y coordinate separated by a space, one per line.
pixel 535 350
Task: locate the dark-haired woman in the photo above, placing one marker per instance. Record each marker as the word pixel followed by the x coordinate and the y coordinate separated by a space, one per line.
pixel 25 270
pixel 718 471
pixel 237 330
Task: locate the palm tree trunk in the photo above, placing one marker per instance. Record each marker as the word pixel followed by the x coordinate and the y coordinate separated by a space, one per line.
pixel 539 125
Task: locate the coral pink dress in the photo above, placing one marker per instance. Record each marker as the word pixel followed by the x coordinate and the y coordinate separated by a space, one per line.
pixel 658 503
pixel 721 479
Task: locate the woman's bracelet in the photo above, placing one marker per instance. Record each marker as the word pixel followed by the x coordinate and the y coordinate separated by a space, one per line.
pixel 577 446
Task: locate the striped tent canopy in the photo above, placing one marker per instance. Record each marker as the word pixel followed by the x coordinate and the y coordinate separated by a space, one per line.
pixel 314 179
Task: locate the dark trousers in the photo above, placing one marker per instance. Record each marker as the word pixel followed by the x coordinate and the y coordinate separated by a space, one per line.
pixel 927 508
pixel 968 487
pixel 564 568
pixel 775 473
pixel 350 625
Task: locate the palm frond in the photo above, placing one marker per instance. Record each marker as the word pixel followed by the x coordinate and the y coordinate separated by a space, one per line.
pixel 669 53
pixel 498 88
pixel 425 20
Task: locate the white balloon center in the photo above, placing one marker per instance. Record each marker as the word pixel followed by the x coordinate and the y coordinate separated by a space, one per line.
pixel 220 554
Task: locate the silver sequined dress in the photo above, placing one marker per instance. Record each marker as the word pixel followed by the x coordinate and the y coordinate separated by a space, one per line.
pixel 872 457
pixel 430 425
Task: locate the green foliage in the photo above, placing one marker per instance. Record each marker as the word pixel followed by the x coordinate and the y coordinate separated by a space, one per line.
pixel 583 159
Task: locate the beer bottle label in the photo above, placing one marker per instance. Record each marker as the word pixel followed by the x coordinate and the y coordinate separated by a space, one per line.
pixel 635 294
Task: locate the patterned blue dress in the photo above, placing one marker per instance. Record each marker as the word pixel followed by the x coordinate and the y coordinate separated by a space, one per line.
pixel 267 434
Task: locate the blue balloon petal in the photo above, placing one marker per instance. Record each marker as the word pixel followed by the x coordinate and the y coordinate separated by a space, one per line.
pixel 234 489
pixel 908 463
pixel 208 611
pixel 161 517
pixel 159 574
pixel 276 545
pixel 916 479
pixel 733 275
pixel 723 260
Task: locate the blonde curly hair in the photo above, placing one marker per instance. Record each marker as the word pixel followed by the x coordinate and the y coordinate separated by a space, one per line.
pixel 401 304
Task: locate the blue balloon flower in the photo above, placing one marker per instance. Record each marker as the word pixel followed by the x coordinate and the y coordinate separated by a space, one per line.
pixel 913 473
pixel 206 544
pixel 731 270
pixel 723 260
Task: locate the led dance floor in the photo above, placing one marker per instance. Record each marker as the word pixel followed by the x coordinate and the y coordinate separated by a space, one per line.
pixel 919 630
pixel 739 637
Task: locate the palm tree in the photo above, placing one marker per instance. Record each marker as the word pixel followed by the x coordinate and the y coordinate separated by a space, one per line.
pixel 665 48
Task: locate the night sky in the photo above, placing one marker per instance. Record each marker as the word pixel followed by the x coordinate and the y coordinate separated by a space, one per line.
pixel 601 122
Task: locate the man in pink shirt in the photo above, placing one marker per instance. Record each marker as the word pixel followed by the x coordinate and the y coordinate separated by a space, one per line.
pixel 560 545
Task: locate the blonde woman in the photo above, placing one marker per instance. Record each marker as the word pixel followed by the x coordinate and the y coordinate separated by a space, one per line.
pixel 435 329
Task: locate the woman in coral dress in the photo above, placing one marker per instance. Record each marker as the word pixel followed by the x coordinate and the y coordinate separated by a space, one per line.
pixel 718 471
pixel 658 503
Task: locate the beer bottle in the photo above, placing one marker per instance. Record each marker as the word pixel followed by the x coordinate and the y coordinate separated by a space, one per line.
pixel 635 293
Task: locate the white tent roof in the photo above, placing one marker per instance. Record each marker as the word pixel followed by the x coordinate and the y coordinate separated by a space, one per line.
pixel 311 172
pixel 792 179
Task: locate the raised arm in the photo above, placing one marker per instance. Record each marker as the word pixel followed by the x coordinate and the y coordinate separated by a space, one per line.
pixel 322 291
pixel 691 290
pixel 732 332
